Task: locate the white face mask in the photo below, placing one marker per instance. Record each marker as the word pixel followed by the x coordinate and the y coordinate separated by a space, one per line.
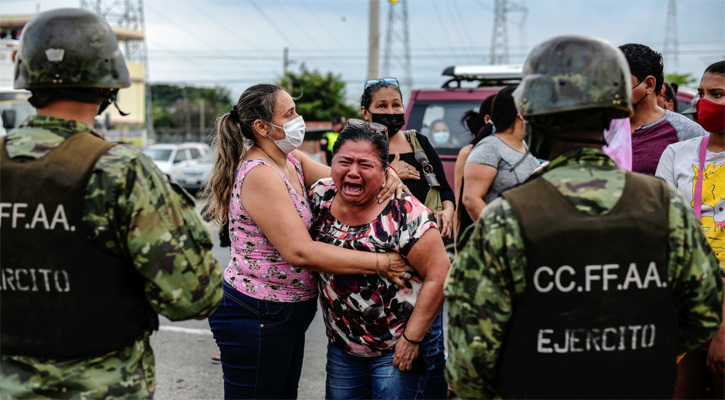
pixel 441 137
pixel 294 135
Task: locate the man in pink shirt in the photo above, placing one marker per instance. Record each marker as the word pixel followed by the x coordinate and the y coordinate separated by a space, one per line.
pixel 653 128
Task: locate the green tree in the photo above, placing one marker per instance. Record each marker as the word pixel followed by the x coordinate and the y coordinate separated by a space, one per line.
pixel 322 97
pixel 181 106
pixel 680 79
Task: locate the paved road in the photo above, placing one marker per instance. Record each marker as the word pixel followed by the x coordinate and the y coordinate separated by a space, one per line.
pixel 183 353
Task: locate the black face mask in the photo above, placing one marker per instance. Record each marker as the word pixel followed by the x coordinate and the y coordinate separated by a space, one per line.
pixel 634 105
pixel 392 121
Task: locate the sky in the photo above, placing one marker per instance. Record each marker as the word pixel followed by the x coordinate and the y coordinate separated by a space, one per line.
pixel 237 43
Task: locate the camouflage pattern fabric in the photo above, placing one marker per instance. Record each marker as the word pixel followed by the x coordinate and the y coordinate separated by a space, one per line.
pixel 490 270
pixel 133 212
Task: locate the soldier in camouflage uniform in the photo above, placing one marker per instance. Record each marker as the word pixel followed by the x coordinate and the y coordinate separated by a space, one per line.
pixel 588 280
pixel 96 242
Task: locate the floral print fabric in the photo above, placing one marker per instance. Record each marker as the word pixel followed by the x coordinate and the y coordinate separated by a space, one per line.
pixel 364 314
pixel 256 268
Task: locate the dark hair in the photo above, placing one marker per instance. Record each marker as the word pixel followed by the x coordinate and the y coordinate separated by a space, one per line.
pixel 503 114
pixel 257 102
pixel 369 92
pixel 358 133
pixel 473 120
pixel 643 61
pixel 670 94
pixel 716 68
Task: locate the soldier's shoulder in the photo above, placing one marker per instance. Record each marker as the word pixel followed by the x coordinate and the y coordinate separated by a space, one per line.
pixel 121 157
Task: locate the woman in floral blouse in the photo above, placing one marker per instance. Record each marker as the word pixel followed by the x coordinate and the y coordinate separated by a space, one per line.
pixel 377 330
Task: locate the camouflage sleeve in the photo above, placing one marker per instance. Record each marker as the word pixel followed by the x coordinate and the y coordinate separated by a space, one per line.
pixel 694 273
pixel 479 291
pixel 132 211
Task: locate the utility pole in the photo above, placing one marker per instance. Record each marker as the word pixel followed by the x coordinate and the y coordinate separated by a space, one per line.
pixel 672 52
pixel 398 32
pixel 374 40
pixel 202 117
pixel 500 37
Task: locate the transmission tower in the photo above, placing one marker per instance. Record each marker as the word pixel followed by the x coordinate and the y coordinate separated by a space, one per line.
pixel 500 37
pixel 672 56
pixel 397 42
pixel 128 14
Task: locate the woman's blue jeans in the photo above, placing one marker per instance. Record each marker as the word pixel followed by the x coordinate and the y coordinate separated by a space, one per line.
pixel 262 344
pixel 353 377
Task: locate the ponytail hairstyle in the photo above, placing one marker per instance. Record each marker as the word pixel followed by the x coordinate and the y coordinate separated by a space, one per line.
pixel 474 120
pixel 503 114
pixel 234 137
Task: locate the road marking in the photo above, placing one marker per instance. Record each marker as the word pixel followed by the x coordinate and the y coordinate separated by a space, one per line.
pixel 193 331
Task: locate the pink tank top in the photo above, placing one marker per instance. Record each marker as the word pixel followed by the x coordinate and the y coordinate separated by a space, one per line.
pixel 256 268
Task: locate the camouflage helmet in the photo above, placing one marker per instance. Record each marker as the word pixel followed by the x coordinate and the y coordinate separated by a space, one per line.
pixel 571 73
pixel 69 48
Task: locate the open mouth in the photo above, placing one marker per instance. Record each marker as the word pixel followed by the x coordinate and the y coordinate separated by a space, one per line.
pixel 352 189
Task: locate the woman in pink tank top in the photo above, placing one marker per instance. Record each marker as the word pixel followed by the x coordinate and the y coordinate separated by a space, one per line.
pixel 259 185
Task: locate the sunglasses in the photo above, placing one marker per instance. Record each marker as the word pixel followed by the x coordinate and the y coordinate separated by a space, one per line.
pixel 369 82
pixel 372 125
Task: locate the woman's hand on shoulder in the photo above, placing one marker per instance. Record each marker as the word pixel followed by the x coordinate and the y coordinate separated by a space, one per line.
pixel 403 169
pixel 393 187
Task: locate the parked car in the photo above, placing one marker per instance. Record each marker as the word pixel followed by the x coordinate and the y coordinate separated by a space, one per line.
pixel 466 88
pixel 172 158
pixel 194 177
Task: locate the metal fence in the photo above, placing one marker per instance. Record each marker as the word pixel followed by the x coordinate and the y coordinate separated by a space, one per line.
pixel 174 135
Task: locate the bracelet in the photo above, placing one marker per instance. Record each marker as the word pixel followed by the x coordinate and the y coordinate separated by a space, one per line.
pixel 411 341
pixel 387 269
pixel 391 167
pixel 377 266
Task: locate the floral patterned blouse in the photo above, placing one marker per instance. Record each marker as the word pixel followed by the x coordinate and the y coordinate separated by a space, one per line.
pixel 364 314
pixel 256 268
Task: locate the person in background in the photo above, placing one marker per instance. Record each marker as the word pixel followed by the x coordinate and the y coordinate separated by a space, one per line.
pixel 474 121
pixel 500 160
pixel 384 340
pixel 103 242
pixel 587 280
pixel 440 134
pixel 696 167
pixel 692 111
pixel 328 139
pixel 666 98
pixel 653 128
pixel 259 185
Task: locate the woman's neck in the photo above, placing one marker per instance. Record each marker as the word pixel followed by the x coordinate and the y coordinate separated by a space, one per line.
pixel 271 151
pixel 512 137
pixel 356 214
pixel 716 142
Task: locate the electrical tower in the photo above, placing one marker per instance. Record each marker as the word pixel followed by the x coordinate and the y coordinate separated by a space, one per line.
pixel 671 53
pixel 129 15
pixel 500 37
pixel 397 42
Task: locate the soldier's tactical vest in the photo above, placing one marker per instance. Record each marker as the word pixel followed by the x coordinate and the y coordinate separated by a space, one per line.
pixel 59 295
pixel 596 319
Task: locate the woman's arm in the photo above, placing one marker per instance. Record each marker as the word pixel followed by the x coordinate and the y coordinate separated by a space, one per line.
pixel 428 257
pixel 314 171
pixel 457 183
pixel 479 178
pixel 268 202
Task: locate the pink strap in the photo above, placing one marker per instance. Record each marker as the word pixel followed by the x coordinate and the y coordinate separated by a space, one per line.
pixel 697 206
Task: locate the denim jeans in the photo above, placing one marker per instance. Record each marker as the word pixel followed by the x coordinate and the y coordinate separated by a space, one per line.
pixel 262 344
pixel 354 377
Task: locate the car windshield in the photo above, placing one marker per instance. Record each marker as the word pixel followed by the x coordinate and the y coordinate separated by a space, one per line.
pixel 159 154
pixel 440 122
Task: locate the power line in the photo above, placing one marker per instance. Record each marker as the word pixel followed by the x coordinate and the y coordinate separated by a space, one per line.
pixel 461 36
pixel 271 23
pixel 441 24
pixel 323 25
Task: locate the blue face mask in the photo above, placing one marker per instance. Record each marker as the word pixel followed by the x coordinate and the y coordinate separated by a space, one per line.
pixel 440 137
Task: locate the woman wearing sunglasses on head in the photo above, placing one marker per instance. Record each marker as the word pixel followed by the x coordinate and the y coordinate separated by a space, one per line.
pixel 259 185
pixel 420 169
pixel 384 340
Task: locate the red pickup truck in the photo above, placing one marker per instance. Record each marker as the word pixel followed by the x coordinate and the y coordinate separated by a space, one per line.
pixel 442 108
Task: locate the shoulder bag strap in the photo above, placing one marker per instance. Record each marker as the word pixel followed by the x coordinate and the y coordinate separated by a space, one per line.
pixel 697 205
